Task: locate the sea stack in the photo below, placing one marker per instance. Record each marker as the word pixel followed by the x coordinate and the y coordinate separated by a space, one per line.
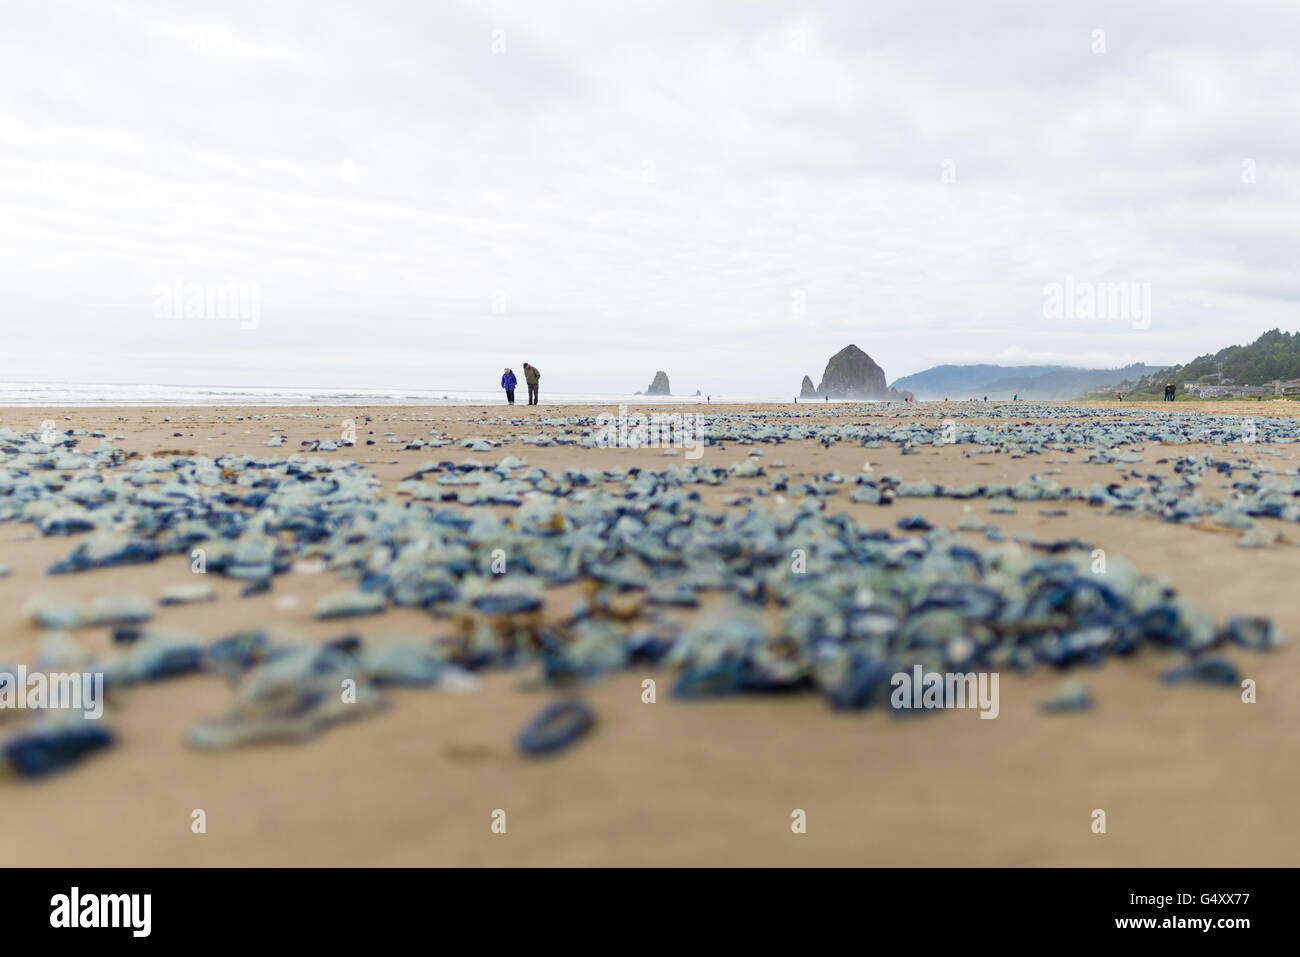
pixel 806 390
pixel 660 385
pixel 851 374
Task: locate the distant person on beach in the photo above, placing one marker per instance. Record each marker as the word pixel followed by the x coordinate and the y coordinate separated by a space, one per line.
pixel 532 376
pixel 1169 392
pixel 508 382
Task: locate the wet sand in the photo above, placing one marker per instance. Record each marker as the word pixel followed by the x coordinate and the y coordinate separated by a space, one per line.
pixel 1186 775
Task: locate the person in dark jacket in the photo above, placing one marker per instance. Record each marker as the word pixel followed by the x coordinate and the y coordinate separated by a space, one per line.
pixel 531 376
pixel 508 382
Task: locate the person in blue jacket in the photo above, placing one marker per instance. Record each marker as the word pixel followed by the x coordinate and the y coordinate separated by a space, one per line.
pixel 508 382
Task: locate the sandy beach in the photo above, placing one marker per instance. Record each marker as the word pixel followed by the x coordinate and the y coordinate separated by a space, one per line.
pixel 1187 775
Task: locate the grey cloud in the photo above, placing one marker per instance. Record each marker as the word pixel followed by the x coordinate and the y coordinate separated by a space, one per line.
pixel 642 186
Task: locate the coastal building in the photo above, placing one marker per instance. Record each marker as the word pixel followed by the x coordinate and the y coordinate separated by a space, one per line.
pixel 1227 389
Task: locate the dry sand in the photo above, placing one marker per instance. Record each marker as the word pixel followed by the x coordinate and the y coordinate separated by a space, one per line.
pixel 1186 775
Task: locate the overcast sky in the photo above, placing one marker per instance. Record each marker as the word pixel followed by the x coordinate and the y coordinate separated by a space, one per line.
pixel 421 193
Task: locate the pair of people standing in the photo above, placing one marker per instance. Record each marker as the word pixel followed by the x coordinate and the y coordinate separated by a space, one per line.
pixel 531 376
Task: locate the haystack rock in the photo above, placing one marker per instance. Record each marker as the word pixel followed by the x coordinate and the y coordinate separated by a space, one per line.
pixel 806 390
pixel 851 374
pixel 660 385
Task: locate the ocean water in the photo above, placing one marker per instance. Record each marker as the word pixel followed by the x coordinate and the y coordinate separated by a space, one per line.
pixel 109 394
